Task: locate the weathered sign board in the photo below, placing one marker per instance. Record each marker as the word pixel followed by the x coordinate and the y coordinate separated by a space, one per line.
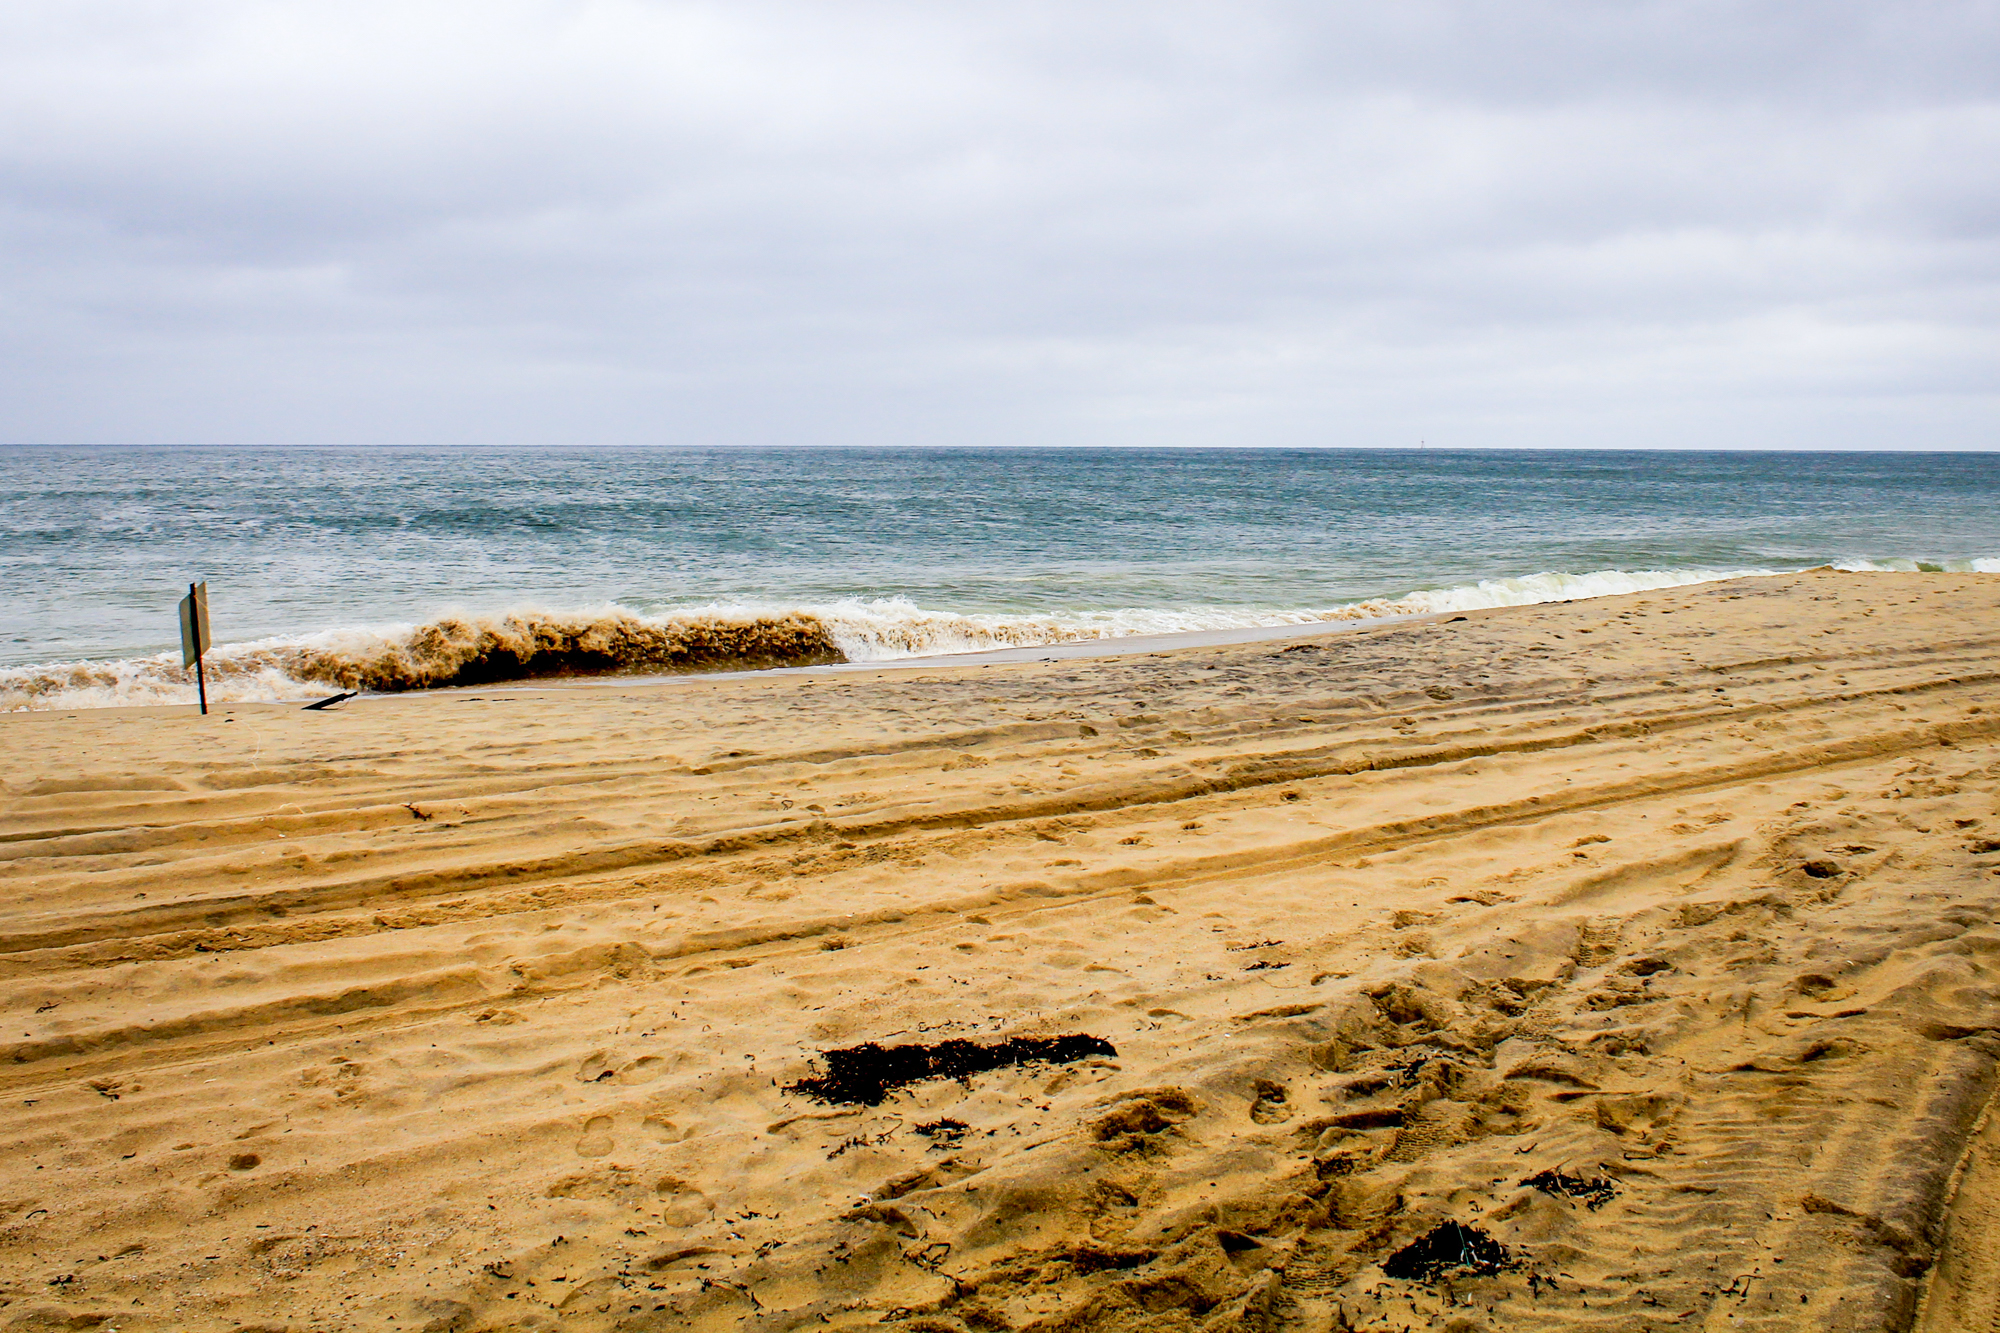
pixel 194 636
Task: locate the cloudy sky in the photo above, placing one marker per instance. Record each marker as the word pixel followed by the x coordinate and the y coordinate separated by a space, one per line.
pixel 1603 223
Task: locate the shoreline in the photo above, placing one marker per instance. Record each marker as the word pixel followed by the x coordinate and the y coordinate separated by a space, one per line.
pixel 1689 894
pixel 449 644
pixel 1114 646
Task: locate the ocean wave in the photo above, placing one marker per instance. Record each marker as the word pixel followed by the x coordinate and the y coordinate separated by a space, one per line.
pixel 891 629
pixel 540 645
pixel 456 651
pixel 1979 566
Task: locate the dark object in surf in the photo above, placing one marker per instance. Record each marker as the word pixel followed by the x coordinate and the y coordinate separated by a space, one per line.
pixel 1449 1248
pixel 1594 1191
pixel 863 1075
pixel 331 701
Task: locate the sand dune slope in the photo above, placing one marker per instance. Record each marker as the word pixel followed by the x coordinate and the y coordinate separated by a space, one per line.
pixel 478 1011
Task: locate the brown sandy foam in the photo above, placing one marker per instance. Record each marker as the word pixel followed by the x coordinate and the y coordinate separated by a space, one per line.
pixel 479 652
pixel 532 647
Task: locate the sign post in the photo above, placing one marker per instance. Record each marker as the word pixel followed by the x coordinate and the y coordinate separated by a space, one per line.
pixel 194 636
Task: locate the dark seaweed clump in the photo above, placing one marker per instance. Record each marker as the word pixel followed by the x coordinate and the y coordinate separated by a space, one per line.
pixel 1448 1248
pixel 1595 1191
pixel 864 1075
pixel 944 1134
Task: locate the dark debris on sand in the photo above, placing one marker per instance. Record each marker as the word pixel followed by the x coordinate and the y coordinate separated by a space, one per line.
pixel 945 1133
pixel 1594 1191
pixel 1449 1248
pixel 863 1075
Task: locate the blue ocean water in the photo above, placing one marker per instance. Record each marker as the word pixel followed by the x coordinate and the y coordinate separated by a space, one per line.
pixel 895 551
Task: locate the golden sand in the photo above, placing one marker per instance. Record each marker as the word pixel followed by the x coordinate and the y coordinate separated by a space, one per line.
pixel 477 1010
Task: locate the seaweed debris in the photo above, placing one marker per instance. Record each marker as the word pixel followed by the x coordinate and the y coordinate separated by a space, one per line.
pixel 1450 1247
pixel 944 1133
pixel 863 1075
pixel 1594 1191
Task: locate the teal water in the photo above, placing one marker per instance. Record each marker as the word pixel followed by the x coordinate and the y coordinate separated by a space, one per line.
pixel 901 551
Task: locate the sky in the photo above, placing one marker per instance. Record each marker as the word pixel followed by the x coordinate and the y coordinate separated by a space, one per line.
pixel 1594 224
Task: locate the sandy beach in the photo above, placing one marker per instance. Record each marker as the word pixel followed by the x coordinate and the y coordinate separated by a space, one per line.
pixel 481 1010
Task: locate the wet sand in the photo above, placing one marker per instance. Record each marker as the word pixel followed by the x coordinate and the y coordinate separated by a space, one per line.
pixel 478 1010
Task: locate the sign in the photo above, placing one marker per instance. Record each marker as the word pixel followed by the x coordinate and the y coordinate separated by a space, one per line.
pixel 194 624
pixel 194 637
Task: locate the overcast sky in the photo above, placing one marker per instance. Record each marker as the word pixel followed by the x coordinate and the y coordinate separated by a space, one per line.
pixel 1591 224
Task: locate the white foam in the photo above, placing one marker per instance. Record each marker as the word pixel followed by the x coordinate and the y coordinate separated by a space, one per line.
pixel 888 629
pixel 1980 565
pixel 136 682
pixel 1549 587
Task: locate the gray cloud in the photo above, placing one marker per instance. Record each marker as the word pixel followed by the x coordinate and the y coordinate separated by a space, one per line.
pixel 1637 224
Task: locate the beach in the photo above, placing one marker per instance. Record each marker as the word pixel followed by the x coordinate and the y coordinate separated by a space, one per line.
pixel 483 1009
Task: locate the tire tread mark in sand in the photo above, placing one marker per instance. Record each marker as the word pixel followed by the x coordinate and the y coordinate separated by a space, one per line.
pixel 733 941
pixel 655 852
pixel 331 801
pixel 415 883
pixel 1755 1151
pixel 1962 1291
pixel 1473 717
pixel 1395 832
pixel 1749 1170
pixel 795 931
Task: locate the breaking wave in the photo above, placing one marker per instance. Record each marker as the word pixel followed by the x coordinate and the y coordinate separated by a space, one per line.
pixel 525 646
pixel 1980 566
pixel 536 645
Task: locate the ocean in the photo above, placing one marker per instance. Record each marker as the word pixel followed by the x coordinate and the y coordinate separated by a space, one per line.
pixel 389 569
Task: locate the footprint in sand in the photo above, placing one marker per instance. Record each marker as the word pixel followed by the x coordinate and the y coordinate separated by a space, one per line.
pixel 682 1204
pixel 1270 1105
pixel 662 1130
pixel 609 1185
pixel 596 1140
